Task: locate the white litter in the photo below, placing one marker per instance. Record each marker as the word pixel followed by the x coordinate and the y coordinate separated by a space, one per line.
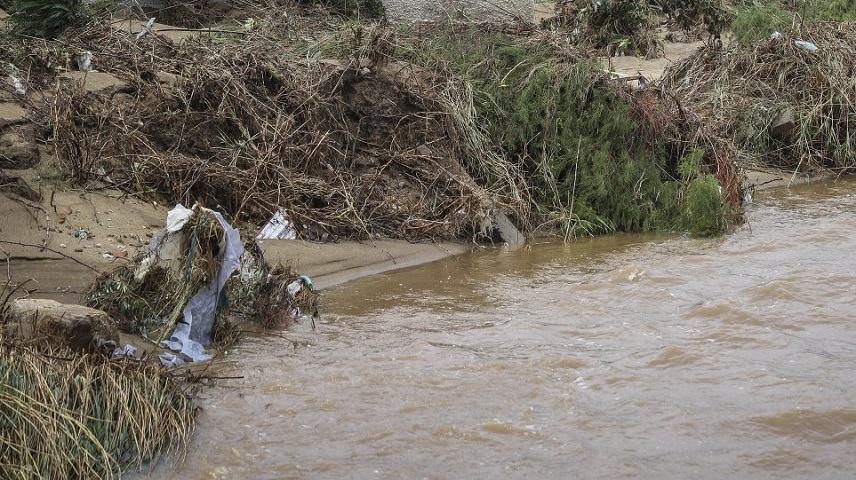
pixel 15 80
pixel 808 46
pixel 146 28
pixel 128 351
pixel 84 61
pixel 192 334
pixel 177 217
pixel 775 36
pixel 279 227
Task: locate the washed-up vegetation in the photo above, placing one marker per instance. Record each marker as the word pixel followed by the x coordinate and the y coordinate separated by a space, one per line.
pixel 147 296
pixel 599 156
pixel 755 21
pixel 778 102
pixel 66 414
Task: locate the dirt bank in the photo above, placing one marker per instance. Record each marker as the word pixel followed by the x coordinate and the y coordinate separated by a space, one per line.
pixel 88 233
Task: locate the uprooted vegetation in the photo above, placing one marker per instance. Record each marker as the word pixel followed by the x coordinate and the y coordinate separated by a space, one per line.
pixel 67 414
pixel 778 103
pixel 357 135
pixel 149 294
pixel 599 157
pixel 249 130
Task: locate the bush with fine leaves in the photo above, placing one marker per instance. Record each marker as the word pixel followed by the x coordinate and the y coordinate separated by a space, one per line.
pixel 45 18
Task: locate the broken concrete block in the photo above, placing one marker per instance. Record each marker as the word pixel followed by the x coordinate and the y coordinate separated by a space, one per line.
pixel 75 326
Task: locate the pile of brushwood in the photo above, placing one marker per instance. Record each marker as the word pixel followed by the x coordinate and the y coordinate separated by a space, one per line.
pixel 598 155
pixel 778 102
pixel 66 414
pixel 354 147
pixel 364 130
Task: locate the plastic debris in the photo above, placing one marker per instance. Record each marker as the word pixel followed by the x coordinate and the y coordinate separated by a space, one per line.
pixel 190 336
pixel 83 234
pixel 170 359
pixel 177 217
pixel 127 351
pixel 279 227
pixel 146 28
pixel 775 36
pixel 84 61
pixel 808 46
pixel 15 80
pixel 294 287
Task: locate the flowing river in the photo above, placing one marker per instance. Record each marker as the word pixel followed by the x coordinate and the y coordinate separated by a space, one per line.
pixel 618 357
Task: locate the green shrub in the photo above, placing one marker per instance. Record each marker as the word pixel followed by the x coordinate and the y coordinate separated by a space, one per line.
pixel 689 13
pixel 591 165
pixel 704 213
pixel 757 21
pixel 45 18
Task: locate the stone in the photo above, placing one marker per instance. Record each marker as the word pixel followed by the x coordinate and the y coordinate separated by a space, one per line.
pixel 95 82
pixel 80 328
pixel 169 79
pixel 784 126
pixel 16 153
pixel 507 231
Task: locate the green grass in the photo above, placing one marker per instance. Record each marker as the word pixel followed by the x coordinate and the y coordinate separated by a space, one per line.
pixel 758 20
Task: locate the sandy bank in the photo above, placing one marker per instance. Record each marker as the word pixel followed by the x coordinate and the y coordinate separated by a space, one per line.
pixel 114 228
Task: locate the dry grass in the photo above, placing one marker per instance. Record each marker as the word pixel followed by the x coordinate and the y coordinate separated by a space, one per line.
pixel 739 93
pixel 357 148
pixel 67 415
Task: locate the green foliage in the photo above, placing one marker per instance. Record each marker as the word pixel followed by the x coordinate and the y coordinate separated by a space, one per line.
pixel 45 18
pixel 591 165
pixel 689 13
pixel 613 24
pixel 704 213
pixel 831 10
pixel 757 21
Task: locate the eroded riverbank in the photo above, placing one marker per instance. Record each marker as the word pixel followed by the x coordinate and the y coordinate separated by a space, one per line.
pixel 618 357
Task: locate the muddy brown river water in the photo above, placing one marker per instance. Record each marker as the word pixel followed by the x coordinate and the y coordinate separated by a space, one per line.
pixel 619 357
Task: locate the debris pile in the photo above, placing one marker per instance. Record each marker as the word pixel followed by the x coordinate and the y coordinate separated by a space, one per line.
pixel 788 101
pixel 194 280
pixel 360 147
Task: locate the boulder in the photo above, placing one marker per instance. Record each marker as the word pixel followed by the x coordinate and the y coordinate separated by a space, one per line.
pixel 75 326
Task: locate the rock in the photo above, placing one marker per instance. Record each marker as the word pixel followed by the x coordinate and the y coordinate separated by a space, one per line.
pixel 16 153
pixel 75 326
pixel 169 79
pixel 784 126
pixel 12 112
pixel 507 231
pixel 95 82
